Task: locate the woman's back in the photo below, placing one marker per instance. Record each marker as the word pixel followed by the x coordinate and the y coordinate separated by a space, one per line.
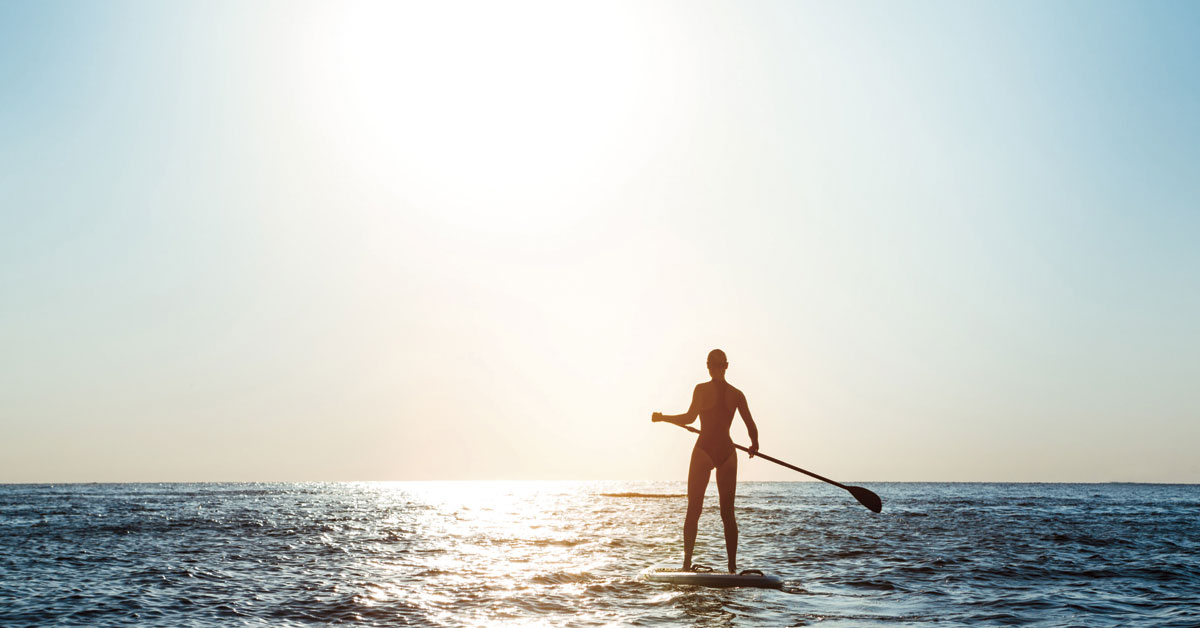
pixel 715 421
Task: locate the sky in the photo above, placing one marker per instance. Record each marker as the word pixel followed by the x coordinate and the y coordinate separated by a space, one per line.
pixel 288 240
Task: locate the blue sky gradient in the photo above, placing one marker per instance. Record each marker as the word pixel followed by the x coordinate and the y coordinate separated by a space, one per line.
pixel 327 241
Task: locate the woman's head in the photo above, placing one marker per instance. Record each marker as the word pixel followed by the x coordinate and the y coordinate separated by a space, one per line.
pixel 717 363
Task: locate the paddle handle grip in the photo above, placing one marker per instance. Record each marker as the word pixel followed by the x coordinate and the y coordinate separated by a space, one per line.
pixel 778 462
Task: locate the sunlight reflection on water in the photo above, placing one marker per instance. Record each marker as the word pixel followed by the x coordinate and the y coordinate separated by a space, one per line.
pixel 568 553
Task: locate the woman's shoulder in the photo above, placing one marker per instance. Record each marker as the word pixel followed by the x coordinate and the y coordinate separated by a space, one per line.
pixel 710 385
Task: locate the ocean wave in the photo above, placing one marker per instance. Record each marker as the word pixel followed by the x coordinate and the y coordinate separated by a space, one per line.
pixel 212 555
pixel 562 577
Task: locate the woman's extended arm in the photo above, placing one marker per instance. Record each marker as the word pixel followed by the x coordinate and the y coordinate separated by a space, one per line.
pixel 686 417
pixel 751 428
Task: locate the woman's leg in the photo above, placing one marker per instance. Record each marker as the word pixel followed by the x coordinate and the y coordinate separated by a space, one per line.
pixel 698 474
pixel 726 488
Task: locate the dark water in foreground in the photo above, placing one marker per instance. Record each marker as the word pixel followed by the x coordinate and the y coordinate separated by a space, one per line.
pixel 510 554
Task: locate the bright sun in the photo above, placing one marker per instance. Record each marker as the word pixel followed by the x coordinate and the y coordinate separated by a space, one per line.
pixel 478 110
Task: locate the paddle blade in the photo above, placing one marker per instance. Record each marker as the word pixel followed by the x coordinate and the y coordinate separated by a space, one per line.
pixel 866 498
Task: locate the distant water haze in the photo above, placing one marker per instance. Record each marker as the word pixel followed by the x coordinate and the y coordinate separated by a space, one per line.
pixel 423 241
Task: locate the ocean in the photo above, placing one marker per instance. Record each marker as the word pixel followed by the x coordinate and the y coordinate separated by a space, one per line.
pixel 569 554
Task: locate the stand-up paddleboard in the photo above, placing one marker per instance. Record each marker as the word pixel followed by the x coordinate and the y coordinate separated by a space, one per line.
pixel 748 578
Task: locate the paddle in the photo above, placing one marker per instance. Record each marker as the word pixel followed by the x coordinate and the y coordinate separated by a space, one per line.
pixel 864 496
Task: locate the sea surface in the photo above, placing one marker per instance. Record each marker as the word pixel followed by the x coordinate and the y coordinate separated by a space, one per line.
pixel 569 553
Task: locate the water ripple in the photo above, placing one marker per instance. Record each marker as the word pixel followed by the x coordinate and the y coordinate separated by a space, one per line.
pixel 495 554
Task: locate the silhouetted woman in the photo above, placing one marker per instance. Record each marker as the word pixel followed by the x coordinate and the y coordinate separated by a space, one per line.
pixel 714 402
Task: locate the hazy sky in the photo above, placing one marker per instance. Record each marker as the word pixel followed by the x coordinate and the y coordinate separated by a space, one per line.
pixel 437 240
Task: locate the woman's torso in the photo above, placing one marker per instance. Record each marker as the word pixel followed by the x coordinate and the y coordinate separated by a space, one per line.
pixel 717 415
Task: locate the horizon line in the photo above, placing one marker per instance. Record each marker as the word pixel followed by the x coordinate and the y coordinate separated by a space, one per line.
pixel 527 480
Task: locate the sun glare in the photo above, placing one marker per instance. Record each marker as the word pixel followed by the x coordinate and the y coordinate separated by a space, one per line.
pixel 485 113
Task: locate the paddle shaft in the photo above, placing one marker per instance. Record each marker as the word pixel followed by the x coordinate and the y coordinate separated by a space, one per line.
pixel 778 462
